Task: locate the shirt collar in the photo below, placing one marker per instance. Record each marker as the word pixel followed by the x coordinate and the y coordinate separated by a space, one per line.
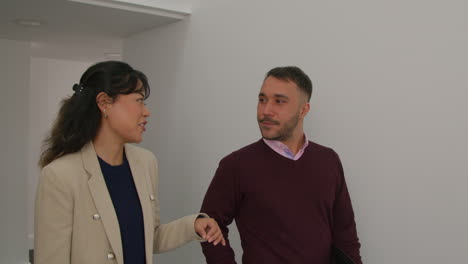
pixel 284 151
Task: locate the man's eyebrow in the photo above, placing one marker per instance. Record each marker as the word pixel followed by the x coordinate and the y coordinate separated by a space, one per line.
pixel 276 95
pixel 281 96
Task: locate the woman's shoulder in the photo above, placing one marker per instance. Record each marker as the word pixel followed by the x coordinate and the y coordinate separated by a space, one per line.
pixel 65 162
pixel 63 169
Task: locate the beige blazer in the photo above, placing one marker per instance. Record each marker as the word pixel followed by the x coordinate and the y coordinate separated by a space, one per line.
pixel 75 221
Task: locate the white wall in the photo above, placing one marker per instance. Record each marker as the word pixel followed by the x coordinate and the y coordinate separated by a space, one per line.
pixel 51 81
pixel 14 76
pixel 389 96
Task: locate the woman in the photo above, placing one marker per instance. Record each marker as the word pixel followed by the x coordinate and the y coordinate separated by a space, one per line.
pixel 97 196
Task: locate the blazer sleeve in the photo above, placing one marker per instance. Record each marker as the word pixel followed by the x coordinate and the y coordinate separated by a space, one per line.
pixel 173 234
pixel 53 220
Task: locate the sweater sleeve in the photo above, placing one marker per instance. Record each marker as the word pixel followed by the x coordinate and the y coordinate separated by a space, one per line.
pixel 221 203
pixel 344 227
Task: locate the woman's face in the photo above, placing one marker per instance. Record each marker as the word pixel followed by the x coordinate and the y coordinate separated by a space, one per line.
pixel 127 117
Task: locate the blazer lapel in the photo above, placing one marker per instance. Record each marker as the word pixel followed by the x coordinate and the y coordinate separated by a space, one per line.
pixel 142 182
pixel 102 200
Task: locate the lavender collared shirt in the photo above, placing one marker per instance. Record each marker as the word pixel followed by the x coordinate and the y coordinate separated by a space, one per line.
pixel 284 151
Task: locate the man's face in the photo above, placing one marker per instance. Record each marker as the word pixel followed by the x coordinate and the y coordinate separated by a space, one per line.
pixel 280 108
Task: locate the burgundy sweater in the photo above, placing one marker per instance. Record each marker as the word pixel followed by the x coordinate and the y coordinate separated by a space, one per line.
pixel 286 211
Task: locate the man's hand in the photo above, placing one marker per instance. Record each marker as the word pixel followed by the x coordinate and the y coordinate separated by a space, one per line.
pixel 209 230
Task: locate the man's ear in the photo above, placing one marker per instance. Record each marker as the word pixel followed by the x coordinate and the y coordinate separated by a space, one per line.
pixel 103 101
pixel 305 109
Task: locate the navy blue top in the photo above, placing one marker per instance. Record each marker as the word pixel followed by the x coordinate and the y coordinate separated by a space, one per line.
pixel 127 206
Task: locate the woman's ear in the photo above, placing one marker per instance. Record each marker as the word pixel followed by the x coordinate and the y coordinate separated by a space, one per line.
pixel 103 101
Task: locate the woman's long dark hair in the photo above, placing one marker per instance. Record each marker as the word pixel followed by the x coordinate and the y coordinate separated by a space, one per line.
pixel 79 116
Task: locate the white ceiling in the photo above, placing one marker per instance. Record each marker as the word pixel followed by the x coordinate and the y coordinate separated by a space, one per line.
pixel 81 23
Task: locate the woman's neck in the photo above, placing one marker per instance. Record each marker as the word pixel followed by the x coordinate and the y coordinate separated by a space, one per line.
pixel 109 149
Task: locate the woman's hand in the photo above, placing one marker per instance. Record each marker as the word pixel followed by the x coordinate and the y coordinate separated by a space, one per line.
pixel 209 230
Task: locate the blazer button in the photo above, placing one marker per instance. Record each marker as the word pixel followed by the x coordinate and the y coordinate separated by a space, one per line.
pixel 96 216
pixel 152 197
pixel 110 255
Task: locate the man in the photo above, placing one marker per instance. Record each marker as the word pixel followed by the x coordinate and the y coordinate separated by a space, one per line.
pixel 288 195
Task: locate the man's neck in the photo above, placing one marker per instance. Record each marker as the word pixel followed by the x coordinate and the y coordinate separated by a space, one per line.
pixel 295 143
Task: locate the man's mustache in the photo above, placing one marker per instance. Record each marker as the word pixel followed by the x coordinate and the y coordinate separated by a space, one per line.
pixel 266 119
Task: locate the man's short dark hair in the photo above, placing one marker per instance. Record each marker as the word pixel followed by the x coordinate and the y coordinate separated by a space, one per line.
pixel 293 74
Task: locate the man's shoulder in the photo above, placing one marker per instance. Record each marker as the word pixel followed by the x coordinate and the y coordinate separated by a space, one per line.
pixel 245 152
pixel 318 147
pixel 251 148
pixel 322 152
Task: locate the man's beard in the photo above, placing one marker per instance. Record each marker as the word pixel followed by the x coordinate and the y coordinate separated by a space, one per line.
pixel 285 132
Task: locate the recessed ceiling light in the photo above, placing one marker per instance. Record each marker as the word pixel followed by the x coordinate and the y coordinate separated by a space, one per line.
pixel 28 22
